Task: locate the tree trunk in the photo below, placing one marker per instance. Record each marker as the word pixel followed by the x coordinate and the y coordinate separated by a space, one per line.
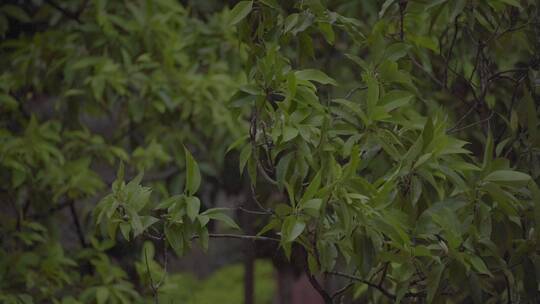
pixel 249 270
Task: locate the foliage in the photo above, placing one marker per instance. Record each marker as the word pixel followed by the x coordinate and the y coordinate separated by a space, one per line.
pixel 399 138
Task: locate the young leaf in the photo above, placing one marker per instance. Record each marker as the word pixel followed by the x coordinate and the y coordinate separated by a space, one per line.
pixel 282 168
pixel 315 75
pixel 219 215
pixel 193 175
pixel 292 228
pixel 193 206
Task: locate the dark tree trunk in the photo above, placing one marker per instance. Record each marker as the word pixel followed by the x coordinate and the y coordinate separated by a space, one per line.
pixel 249 270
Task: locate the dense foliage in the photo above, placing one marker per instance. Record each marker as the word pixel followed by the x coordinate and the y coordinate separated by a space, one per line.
pixel 393 144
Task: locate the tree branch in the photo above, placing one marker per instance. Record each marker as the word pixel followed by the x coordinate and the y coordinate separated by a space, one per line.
pixel 370 284
pixel 78 226
pixel 240 236
pixel 342 290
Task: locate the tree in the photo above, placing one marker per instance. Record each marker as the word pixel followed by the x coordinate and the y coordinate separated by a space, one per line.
pixel 392 145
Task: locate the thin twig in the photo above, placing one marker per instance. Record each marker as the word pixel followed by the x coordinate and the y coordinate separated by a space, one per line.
pixel 402 7
pixel 343 290
pixel 450 51
pixel 264 174
pixel 254 197
pixel 354 90
pixel 164 264
pixel 370 284
pixel 152 286
pixel 474 123
pixel 383 275
pixel 471 109
pixel 264 212
pixel 240 236
pixel 77 223
pixel 421 67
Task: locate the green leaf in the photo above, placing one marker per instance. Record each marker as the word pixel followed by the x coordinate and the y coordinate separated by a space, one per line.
pixel 282 168
pixel 507 176
pixel 289 133
pixel 312 188
pixel 174 234
pixel 479 265
pixel 488 151
pixel 125 229
pixel 136 223
pixel 292 228
pixel 422 159
pixel 514 3
pixel 271 225
pixel 290 22
pixel 252 169
pixel 102 294
pixel 328 254
pixel 240 11
pixel 147 221
pixel 385 7
pixel 315 75
pixel 193 175
pixel 15 12
pixel 291 85
pixel 433 280
pixel 395 99
pixel 427 133
pixel 396 51
pixel 312 206
pixel 8 102
pixel 372 93
pixel 290 193
pixel 193 206
pixel 327 31
pixel 245 155
pixel 219 215
pixel 237 143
